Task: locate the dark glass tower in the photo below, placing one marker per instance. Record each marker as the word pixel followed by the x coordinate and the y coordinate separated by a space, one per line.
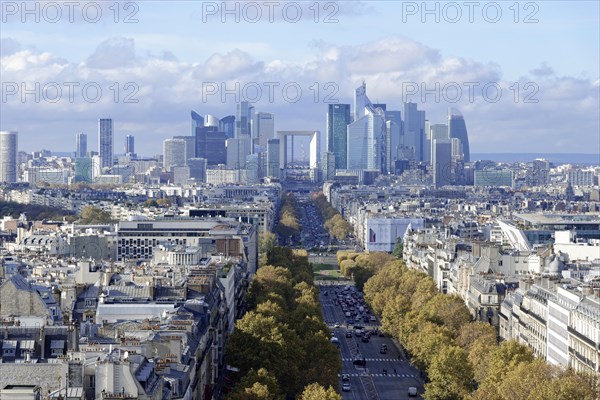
pixel 105 142
pixel 458 129
pixel 227 125
pixel 197 121
pixel 338 119
pixel 210 145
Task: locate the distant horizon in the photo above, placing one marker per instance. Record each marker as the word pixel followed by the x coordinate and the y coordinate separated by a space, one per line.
pixel 555 158
pixel 563 158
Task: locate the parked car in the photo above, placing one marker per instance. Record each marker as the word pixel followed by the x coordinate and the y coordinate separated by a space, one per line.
pixel 345 377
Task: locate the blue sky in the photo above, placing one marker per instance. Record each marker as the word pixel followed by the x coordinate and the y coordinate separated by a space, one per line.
pixel 170 53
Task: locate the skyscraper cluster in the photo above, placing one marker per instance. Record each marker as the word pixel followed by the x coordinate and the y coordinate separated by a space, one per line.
pixel 375 138
pixel 232 143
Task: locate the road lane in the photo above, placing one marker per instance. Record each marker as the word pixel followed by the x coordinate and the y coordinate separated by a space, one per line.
pixel 389 373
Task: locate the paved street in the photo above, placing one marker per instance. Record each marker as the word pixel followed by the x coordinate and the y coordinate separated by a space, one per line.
pixel 385 376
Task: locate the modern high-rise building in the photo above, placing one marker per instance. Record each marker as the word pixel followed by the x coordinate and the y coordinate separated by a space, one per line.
pixel 328 166
pixel 366 141
pixel 264 129
pixel 436 131
pixel 211 120
pixel 84 171
pixel 457 149
pixel 105 142
pixel 8 156
pixel 458 129
pixel 210 144
pixel 273 166
pixel 361 101
pixel 80 145
pixel 227 125
pixel 494 177
pixel 198 167
pixel 243 119
pixel 190 146
pixel 173 153
pixel 427 142
pixel 197 121
pixel 393 137
pixel 237 151
pixel 338 119
pixel 539 173
pixel 414 130
pixel 442 162
pixel 129 145
pixel 252 169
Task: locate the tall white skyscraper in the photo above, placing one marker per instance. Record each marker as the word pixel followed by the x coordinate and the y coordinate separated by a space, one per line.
pixel 436 131
pixel 173 153
pixel 81 145
pixel 190 146
pixel 243 119
pixel 105 142
pixel 8 156
pixel 393 120
pixel 366 141
pixel 361 101
pixel 264 129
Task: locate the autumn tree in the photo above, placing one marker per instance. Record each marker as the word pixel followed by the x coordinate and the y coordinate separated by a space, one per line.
pixel 450 375
pixel 257 385
pixel 317 392
pixel 94 215
pixel 266 242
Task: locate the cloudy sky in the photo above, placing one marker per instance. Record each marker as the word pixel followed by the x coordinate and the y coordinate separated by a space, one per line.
pixel 527 72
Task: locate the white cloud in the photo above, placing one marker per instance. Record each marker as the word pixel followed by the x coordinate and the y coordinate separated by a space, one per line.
pixel 167 88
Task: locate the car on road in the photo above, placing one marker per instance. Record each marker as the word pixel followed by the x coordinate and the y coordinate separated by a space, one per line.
pixel 346 387
pixel 348 334
pixel 360 361
pixel 336 325
pixel 365 338
pixel 412 391
pixel 335 340
pixel 345 377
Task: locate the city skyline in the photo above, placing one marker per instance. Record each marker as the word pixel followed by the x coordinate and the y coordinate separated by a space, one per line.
pixel 167 73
